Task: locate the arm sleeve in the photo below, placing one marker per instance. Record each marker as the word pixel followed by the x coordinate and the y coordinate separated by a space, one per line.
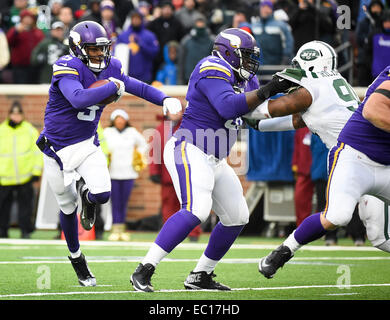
pixel 143 90
pixel 221 96
pixel 81 98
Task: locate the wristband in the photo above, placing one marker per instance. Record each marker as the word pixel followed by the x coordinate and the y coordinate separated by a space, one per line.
pixel 261 112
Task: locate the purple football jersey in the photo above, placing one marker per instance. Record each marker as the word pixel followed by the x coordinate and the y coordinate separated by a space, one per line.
pixel 362 135
pixel 215 97
pixel 71 117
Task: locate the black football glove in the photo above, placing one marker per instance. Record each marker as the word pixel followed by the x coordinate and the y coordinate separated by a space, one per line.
pixel 276 85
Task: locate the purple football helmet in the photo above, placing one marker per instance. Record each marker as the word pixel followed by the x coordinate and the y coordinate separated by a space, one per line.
pixel 239 49
pixel 90 33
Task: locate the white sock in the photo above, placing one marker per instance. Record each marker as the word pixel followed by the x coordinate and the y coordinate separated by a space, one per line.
pixel 75 254
pixel 205 264
pixel 154 255
pixel 291 243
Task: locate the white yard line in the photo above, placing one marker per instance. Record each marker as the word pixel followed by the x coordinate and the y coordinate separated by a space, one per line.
pixel 194 246
pixel 100 259
pixel 41 294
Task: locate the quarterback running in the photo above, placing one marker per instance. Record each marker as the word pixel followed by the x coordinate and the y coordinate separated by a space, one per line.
pixel 69 140
pixel 358 161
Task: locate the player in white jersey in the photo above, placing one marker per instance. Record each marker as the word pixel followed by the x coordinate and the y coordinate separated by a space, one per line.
pixel 323 101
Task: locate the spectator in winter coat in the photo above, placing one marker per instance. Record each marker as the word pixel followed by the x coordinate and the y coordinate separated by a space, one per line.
pixel 168 72
pixel 48 51
pixel 273 37
pixel 195 46
pixel 136 48
pixel 22 39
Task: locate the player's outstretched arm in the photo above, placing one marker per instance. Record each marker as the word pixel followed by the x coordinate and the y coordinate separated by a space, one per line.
pixel 292 103
pixel 377 108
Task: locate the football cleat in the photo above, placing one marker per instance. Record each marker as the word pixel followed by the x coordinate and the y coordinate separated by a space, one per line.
pixel 88 209
pixel 85 276
pixel 140 279
pixel 275 260
pixel 203 281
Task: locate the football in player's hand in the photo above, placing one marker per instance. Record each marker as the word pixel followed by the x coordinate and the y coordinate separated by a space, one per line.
pixel 100 83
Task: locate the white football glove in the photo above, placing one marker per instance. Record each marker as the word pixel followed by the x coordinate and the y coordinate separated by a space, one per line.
pixel 172 105
pixel 121 89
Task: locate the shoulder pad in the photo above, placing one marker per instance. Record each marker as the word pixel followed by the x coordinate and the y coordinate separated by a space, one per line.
pixel 294 75
pixel 66 65
pixel 216 68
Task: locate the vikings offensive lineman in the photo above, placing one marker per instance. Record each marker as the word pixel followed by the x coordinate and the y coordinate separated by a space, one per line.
pixel 359 160
pixel 69 139
pixel 218 91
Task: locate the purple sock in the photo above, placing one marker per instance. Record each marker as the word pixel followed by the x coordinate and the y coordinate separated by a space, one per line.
pixel 310 229
pixel 176 229
pixel 70 227
pixel 221 239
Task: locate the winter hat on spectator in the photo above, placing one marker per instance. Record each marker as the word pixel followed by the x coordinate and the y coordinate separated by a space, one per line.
pixel 25 13
pixel 267 3
pixel 107 4
pixel 16 107
pixel 119 112
pixel 57 24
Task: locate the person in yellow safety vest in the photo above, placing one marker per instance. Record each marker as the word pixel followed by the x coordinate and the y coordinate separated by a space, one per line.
pixel 21 165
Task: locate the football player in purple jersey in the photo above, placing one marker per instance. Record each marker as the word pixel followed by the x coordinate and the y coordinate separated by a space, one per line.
pixel 222 87
pixel 69 140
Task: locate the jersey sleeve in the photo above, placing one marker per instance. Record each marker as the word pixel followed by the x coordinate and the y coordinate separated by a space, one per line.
pixel 301 78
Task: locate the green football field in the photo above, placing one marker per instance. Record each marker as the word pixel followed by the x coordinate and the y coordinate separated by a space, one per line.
pixel 38 269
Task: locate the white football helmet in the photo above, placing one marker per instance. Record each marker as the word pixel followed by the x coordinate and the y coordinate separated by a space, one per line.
pixel 315 56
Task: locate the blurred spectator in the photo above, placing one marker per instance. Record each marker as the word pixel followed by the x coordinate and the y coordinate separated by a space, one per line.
pixel 10 16
pixel 93 12
pixel 136 48
pixel 363 6
pixel 188 14
pixel 178 4
pixel 168 72
pixel 122 10
pixel 145 9
pixel 370 22
pixel 273 37
pixel 20 166
pixel 48 51
pixel 22 39
pixel 67 18
pixel 283 9
pixel 5 57
pixel 109 20
pixel 194 47
pixel 308 23
pixel 122 141
pixel 239 17
pixel 166 28
pixel 378 46
pixel 301 164
pixel 159 174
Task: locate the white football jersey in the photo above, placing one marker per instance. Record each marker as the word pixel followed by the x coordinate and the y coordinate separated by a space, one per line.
pixel 334 101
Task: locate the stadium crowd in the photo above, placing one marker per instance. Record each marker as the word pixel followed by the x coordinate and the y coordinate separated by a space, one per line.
pixel 160 42
pixel 163 40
